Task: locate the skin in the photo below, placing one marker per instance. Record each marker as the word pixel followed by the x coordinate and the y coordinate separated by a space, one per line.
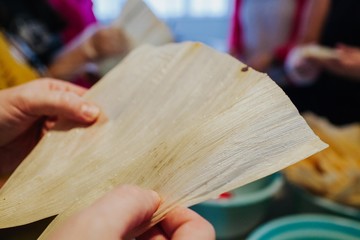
pixel 347 63
pixel 27 111
pixel 116 215
pixel 314 18
pixel 94 44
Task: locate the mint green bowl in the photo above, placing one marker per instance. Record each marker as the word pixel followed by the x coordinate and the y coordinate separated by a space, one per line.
pixel 307 202
pixel 236 216
pixel 308 227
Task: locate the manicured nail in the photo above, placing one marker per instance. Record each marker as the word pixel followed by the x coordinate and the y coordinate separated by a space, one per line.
pixel 90 111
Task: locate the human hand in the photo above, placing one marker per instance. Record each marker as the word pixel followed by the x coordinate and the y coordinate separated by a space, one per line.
pixel 181 223
pixel 118 213
pixel 24 112
pixel 346 64
pixel 301 69
pixel 105 42
pixel 95 43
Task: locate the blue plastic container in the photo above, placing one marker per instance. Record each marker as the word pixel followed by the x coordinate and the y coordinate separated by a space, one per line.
pixel 236 216
pixel 308 227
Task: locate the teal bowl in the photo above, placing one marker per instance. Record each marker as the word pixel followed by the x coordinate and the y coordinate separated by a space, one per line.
pixel 307 202
pixel 236 216
pixel 308 227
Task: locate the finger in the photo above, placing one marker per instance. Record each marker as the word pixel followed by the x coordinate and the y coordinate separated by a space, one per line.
pixel 183 223
pixel 60 85
pixel 112 216
pixel 344 47
pixel 127 207
pixel 49 123
pixel 155 233
pixel 62 104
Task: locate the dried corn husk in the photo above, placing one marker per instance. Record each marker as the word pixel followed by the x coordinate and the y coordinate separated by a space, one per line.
pixel 141 26
pixel 318 52
pixel 183 120
pixel 334 172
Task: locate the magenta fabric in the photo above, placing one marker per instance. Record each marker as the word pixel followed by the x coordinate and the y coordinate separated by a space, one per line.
pixel 78 14
pixel 236 31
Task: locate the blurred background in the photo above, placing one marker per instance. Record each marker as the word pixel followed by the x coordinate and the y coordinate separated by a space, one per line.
pixel 184 17
pixel 310 48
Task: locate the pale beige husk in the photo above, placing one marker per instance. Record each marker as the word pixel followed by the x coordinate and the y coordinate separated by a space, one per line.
pixel 183 120
pixel 318 52
pixel 140 26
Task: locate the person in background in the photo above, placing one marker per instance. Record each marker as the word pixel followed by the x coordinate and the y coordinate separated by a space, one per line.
pixel 334 92
pixel 62 35
pixel 263 32
pixel 25 115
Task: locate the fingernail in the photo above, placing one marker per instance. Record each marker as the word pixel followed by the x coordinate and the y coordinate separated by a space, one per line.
pixel 155 195
pixel 90 111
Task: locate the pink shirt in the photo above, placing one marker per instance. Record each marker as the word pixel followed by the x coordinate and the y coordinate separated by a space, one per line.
pixel 78 14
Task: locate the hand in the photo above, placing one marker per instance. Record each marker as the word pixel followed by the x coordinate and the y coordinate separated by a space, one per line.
pixel 104 42
pixel 347 64
pixel 25 111
pixel 95 43
pixel 301 70
pixel 119 212
pixel 181 223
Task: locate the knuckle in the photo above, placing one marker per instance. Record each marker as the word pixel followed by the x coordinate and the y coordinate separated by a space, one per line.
pixel 67 99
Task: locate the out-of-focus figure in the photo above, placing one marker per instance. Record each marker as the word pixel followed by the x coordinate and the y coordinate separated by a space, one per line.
pixel 58 37
pixel 263 32
pixel 333 91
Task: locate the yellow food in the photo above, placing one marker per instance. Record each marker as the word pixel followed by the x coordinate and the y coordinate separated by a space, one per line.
pixel 334 172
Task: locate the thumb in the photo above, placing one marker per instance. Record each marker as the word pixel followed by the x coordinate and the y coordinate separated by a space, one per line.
pixel 127 207
pixel 113 216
